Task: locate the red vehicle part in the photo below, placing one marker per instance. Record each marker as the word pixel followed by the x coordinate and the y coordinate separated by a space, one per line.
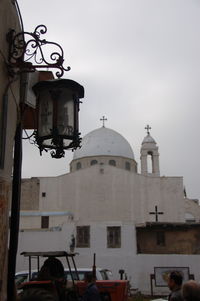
pixel 114 290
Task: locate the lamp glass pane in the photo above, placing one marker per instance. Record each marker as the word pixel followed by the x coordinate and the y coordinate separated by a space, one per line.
pixel 45 118
pixel 65 114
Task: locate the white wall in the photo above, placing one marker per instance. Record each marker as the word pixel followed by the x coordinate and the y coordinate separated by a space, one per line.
pixel 138 267
pixel 102 196
pixel 103 193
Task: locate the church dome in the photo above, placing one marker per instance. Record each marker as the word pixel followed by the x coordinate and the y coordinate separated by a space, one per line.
pixel 148 139
pixel 104 142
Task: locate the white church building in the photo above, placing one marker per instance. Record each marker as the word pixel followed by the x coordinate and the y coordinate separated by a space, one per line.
pixel 132 220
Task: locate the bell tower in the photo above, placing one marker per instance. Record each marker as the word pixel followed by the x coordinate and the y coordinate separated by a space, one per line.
pixel 149 156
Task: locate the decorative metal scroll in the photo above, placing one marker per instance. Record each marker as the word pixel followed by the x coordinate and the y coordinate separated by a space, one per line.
pixel 26 53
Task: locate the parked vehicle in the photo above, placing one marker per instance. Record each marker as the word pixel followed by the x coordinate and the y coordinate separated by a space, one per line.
pixel 23 276
pixel 101 274
pixel 110 290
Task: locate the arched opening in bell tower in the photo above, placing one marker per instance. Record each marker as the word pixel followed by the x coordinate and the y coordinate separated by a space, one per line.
pixel 149 162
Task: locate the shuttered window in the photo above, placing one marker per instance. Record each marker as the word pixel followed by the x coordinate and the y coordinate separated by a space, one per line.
pixel 114 237
pixel 45 222
pixel 112 162
pixel 83 237
pixel 127 166
pixel 78 165
pixel 93 162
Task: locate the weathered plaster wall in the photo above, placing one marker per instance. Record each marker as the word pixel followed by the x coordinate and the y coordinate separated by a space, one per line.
pixel 9 100
pixel 30 194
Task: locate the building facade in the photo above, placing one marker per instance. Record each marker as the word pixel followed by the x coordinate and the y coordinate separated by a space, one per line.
pixel 127 218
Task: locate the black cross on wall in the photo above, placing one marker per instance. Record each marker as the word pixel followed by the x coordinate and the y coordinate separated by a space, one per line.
pixel 156 213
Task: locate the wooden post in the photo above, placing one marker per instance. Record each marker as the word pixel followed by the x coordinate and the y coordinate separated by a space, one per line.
pixel 152 276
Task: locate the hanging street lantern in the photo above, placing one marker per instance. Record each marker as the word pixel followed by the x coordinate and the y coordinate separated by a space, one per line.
pixel 57 115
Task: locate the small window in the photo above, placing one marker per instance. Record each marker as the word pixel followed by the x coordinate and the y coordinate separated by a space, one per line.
pixel 43 194
pixel 45 222
pixel 114 237
pixel 78 165
pixel 83 237
pixel 93 162
pixel 112 162
pixel 127 166
pixel 160 238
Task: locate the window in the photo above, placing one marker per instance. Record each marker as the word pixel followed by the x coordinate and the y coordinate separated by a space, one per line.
pixel 114 237
pixel 43 194
pixel 160 238
pixel 78 165
pixel 127 166
pixel 83 236
pixel 45 222
pixel 93 162
pixel 112 162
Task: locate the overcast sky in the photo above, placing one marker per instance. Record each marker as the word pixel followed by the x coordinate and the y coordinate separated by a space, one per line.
pixel 139 62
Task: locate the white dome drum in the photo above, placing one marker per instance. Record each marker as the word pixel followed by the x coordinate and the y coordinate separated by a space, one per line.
pixel 99 146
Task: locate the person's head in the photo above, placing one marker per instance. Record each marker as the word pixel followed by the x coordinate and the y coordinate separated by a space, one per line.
pixel 89 277
pixel 52 268
pixel 175 280
pixel 191 291
pixel 36 294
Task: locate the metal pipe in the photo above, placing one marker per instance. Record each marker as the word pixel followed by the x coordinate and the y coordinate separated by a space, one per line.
pixel 94 266
pixel 70 270
pixel 38 263
pixel 15 209
pixel 74 264
pixel 29 271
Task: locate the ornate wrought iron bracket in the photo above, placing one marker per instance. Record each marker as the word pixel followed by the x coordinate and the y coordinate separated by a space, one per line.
pixel 26 52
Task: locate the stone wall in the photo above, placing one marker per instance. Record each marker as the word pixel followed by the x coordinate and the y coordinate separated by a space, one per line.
pixel 165 240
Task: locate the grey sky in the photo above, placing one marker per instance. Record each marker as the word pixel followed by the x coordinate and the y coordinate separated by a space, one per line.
pixel 139 62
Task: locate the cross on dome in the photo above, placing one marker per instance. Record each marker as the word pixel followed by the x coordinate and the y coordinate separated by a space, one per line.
pixel 103 119
pixel 148 128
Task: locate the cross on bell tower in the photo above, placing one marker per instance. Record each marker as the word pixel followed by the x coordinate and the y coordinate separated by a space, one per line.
pixel 148 128
pixel 103 119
